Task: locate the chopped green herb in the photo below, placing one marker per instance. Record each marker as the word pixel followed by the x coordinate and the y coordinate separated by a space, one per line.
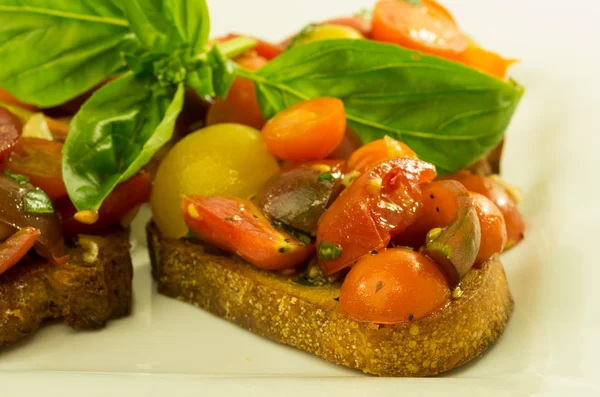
pixel 38 202
pixel 379 286
pixel 365 14
pixel 302 35
pixel 337 299
pixel 229 219
pixel 414 3
pixel 282 250
pixel 191 235
pixel 326 177
pixel 374 252
pixel 410 317
pixel 329 251
pixel 17 177
pixel 304 239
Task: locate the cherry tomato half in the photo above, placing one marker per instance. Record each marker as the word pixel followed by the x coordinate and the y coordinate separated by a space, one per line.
pixel 16 247
pixel 126 197
pixel 41 161
pixel 10 131
pixel 236 225
pixel 308 130
pixel 493 228
pixel 378 205
pixel 377 152
pixel 424 27
pixel 393 286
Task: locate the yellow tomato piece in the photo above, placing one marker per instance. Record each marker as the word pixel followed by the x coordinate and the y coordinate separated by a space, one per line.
pixel 224 159
pixel 327 32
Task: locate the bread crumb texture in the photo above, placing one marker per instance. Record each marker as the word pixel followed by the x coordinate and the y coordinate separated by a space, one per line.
pixel 309 318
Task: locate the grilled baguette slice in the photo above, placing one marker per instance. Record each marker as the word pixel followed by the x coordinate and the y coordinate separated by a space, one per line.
pixel 92 288
pixel 309 318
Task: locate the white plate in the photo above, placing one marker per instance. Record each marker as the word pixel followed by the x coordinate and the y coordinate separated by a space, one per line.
pixel 551 345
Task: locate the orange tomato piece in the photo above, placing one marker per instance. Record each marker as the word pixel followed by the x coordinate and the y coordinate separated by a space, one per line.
pixel 393 286
pixel 16 247
pixel 126 197
pixel 7 97
pixel 377 152
pixel 236 225
pixel 425 27
pixel 10 131
pixel 493 228
pixel 487 61
pixel 41 161
pixel 241 105
pixel 308 130
pixel 515 224
pixel 378 205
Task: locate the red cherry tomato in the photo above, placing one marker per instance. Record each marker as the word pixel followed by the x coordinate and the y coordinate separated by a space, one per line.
pixel 241 105
pixel 424 27
pixel 393 286
pixel 41 161
pixel 16 247
pixel 493 228
pixel 125 198
pixel 10 131
pixel 308 130
pixel 378 205
pixel 377 152
pixel 515 224
pixel 236 225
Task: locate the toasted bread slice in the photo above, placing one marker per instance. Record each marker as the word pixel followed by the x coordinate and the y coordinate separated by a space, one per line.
pixel 92 288
pixel 309 318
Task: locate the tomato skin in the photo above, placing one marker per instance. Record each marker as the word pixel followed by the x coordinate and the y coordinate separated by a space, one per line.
pixel 493 228
pixel 378 205
pixel 236 225
pixel 41 161
pixel 377 152
pixel 515 224
pixel 349 144
pixel 393 286
pixel 400 22
pixel 487 61
pixel 7 97
pixel 241 105
pixel 11 129
pixel 308 130
pixel 16 247
pixel 126 197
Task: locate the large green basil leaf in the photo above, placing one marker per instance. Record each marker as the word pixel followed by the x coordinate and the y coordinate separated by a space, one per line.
pixel 164 26
pixel 52 51
pixel 115 134
pixel 451 115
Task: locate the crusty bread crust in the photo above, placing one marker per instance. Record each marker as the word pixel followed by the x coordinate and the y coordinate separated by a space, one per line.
pixel 86 294
pixel 309 318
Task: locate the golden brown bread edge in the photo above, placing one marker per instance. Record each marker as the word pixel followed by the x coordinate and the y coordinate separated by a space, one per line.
pixel 309 317
pixel 85 293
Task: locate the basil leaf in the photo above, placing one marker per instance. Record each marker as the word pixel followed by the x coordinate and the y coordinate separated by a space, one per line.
pixel 448 113
pixel 116 133
pixel 53 51
pixel 164 26
pixel 38 202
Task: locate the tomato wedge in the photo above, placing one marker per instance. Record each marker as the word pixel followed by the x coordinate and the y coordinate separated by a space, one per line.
pixel 10 131
pixel 422 26
pixel 41 161
pixel 308 130
pixel 236 225
pixel 378 205
pixel 393 286
pixel 16 247
pixel 126 197
pixel 377 152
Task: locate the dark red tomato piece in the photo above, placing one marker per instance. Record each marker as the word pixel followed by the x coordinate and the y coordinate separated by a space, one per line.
pixel 393 286
pixel 126 197
pixel 41 161
pixel 236 225
pixel 351 142
pixel 299 196
pixel 16 247
pixel 515 224
pixel 10 131
pixel 381 203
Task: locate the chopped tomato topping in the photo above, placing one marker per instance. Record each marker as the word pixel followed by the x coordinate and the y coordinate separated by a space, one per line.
pixel 16 247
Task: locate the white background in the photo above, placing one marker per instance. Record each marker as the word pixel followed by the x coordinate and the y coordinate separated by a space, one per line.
pixel 551 344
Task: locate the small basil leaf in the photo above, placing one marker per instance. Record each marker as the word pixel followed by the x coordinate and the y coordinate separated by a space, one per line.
pixel 328 251
pixel 53 51
pixel 21 179
pixel 222 72
pixel 116 133
pixel 448 113
pixel 201 80
pixel 164 26
pixel 38 202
